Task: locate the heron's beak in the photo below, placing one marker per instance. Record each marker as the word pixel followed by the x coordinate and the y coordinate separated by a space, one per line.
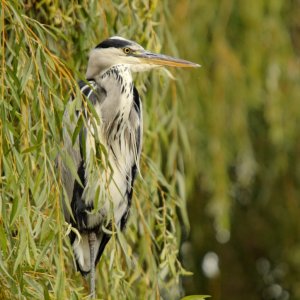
pixel 164 60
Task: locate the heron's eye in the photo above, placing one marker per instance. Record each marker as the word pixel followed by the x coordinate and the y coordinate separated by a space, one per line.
pixel 126 50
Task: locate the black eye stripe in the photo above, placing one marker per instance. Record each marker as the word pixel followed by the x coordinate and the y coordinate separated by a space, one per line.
pixel 113 43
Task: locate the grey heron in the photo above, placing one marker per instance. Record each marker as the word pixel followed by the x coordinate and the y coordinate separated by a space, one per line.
pixel 109 88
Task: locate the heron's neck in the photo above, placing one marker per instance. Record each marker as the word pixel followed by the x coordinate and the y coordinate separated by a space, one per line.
pixel 117 80
pixel 118 84
pixel 117 74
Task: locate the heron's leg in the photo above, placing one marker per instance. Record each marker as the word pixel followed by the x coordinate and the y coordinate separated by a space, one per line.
pixel 92 240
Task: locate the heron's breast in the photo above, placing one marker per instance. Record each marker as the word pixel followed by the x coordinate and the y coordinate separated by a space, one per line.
pixel 118 85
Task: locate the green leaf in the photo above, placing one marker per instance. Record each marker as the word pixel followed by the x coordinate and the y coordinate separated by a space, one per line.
pixel 26 73
pixel 3 240
pixel 69 162
pixel 42 68
pixel 94 113
pixel 60 285
pixel 32 148
pixel 16 209
pixel 77 129
pixel 21 250
pixel 46 292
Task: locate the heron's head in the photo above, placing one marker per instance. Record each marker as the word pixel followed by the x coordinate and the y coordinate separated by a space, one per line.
pixel 119 51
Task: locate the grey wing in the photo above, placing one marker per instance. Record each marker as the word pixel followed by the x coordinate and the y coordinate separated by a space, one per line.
pixel 71 157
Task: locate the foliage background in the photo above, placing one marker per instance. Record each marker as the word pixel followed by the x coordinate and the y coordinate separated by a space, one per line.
pixel 244 104
pixel 223 139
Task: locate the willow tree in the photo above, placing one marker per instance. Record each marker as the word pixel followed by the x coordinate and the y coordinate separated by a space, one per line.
pixel 44 48
pixel 245 199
